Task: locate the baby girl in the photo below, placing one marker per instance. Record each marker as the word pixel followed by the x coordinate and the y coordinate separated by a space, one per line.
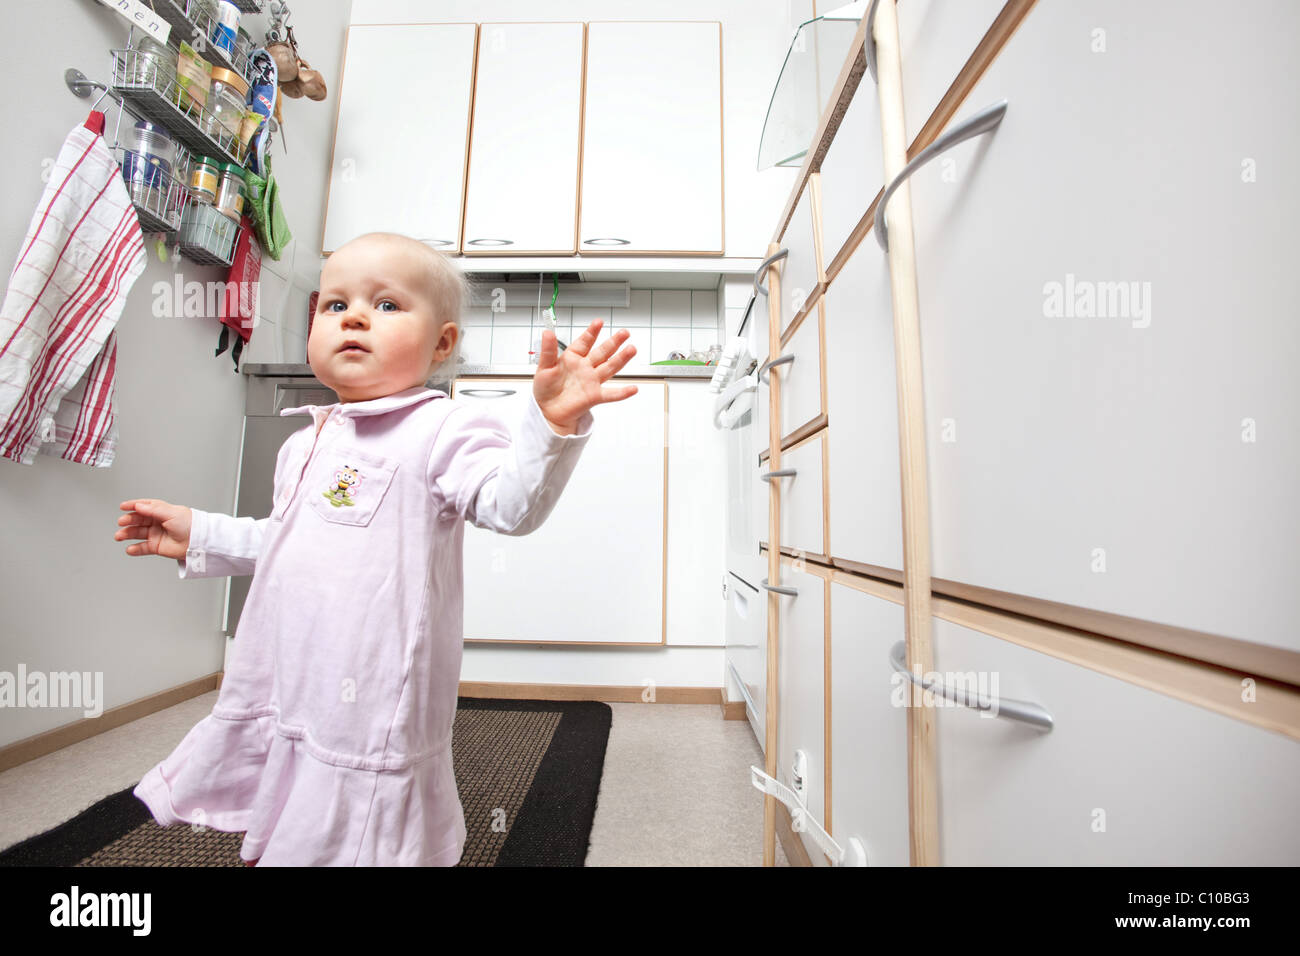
pixel 330 741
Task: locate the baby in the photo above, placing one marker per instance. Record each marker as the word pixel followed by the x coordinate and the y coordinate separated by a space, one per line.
pixel 330 741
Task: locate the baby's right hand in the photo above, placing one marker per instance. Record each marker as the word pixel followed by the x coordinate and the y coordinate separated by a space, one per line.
pixel 164 527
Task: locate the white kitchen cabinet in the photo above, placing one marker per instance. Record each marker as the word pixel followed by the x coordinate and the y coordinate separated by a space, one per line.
pixel 1100 303
pixel 1125 777
pixel 399 165
pixel 801 694
pixel 851 171
pixel 868 731
pixel 801 378
pixel 802 521
pixel 747 650
pixel 863 489
pixel 522 189
pixel 594 571
pixel 801 269
pixel 696 506
pixel 652 138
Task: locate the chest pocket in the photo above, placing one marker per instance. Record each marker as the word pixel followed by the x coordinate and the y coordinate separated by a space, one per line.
pixel 349 486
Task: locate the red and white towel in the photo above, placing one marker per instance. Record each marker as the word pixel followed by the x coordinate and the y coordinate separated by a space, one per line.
pixel 58 348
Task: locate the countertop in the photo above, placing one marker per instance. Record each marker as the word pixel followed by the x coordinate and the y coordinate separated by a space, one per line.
pixel 468 371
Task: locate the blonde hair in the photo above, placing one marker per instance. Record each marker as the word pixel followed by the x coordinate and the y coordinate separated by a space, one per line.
pixel 448 289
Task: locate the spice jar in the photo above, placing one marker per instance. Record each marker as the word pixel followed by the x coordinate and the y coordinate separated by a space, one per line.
pixel 149 156
pixel 151 65
pixel 225 109
pixel 205 177
pixel 193 78
pixel 230 191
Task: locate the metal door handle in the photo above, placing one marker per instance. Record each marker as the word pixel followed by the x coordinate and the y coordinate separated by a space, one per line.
pixel 770 363
pixel 983 121
pixel 783 473
pixel 762 270
pixel 780 588
pixel 1021 710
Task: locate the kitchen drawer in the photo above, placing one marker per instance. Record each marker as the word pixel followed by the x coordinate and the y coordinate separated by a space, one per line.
pixel 801 269
pixel 937 38
pixel 1126 777
pixel 747 648
pixel 801 498
pixel 801 379
pixel 863 489
pixel 801 695
pixel 851 172
pixel 868 732
pixel 1096 454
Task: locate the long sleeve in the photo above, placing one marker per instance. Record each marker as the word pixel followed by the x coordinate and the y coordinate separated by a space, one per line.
pixel 510 486
pixel 222 545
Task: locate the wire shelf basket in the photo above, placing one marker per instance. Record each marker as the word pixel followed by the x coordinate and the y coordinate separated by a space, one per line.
pixel 158 193
pixel 248 6
pixel 145 82
pixel 195 21
pixel 207 235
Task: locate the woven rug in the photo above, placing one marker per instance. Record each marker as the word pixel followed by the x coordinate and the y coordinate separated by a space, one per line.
pixel 528 772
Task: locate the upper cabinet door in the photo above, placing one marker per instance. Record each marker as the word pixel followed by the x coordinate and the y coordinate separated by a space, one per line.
pixel 652 139
pixel 402 132
pixel 522 194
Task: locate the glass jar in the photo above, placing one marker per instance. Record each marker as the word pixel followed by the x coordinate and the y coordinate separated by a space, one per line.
pixel 230 191
pixel 151 65
pixel 205 177
pixel 149 156
pixel 225 110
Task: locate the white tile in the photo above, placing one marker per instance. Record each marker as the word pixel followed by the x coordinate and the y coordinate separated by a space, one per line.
pixel 476 344
pixel 583 316
pixel 704 310
pixel 478 315
pixel 701 339
pixel 512 316
pixel 264 346
pixel 640 338
pixel 664 341
pixel 736 291
pixel 510 344
pixel 638 310
pixel 671 308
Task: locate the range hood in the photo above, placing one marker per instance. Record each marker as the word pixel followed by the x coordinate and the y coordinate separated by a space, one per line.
pixel 807 79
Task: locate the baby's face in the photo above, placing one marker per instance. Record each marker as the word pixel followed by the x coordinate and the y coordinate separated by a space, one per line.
pixel 374 293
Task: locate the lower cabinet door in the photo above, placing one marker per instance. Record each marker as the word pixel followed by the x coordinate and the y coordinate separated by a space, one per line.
pixel 801 735
pixel 1126 776
pixel 802 526
pixel 868 728
pixel 747 650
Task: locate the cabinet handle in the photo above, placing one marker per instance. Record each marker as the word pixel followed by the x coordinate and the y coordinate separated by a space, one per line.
pixel 607 241
pixel 490 242
pixel 487 392
pixel 782 360
pixel 983 121
pixel 783 473
pixel 1020 710
pixel 780 589
pixel 762 270
pixel 869 48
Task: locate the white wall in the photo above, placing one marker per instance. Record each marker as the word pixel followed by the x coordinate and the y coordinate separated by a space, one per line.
pixel 755 37
pixel 72 598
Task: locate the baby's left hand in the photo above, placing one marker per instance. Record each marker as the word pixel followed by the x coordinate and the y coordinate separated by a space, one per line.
pixel 567 384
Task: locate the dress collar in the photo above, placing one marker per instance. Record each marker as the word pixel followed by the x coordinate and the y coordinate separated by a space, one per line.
pixel 374 406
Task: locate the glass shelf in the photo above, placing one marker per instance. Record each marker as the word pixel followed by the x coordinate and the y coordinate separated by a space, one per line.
pixel 803 89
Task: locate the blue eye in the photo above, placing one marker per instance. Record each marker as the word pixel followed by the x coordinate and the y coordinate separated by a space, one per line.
pixel 388 302
pixel 330 307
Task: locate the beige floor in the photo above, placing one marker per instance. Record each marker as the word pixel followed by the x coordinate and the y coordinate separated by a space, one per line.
pixel 675 790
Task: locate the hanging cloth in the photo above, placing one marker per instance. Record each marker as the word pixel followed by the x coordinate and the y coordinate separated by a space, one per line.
pixel 238 311
pixel 58 346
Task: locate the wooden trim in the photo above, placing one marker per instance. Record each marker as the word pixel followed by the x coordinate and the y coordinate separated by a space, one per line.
pixel 1275 663
pixel 614 693
pixel 814 298
pixel 871 570
pixel 582 139
pixel 922 762
pixel 1214 687
pixel 469 137
pixel 770 731
pixel 731 709
pixel 663 548
pixel 797 437
pixel 827 749
pixel 49 741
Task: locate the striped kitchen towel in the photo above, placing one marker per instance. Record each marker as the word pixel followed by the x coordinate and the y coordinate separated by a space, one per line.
pixel 58 346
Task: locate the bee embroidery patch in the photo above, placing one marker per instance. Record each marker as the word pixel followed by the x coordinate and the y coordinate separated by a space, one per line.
pixel 343 488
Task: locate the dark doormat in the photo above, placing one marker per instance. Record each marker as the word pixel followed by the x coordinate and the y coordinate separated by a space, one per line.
pixel 527 771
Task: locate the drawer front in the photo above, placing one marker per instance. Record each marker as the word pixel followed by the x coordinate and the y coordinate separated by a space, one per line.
pixel 801 380
pixel 868 732
pixel 1126 777
pixel 802 692
pixel 937 38
pixel 1085 446
pixel 747 647
pixel 852 170
pixel 863 491
pixel 802 527
pixel 801 268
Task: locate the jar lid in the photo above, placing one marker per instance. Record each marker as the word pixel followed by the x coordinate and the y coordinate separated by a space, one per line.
pixel 207 161
pixel 230 78
pixel 232 168
pixel 144 126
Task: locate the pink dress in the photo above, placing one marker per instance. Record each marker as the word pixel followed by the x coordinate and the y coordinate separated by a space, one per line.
pixel 330 742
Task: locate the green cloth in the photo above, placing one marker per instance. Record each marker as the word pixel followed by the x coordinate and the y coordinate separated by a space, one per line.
pixel 267 213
